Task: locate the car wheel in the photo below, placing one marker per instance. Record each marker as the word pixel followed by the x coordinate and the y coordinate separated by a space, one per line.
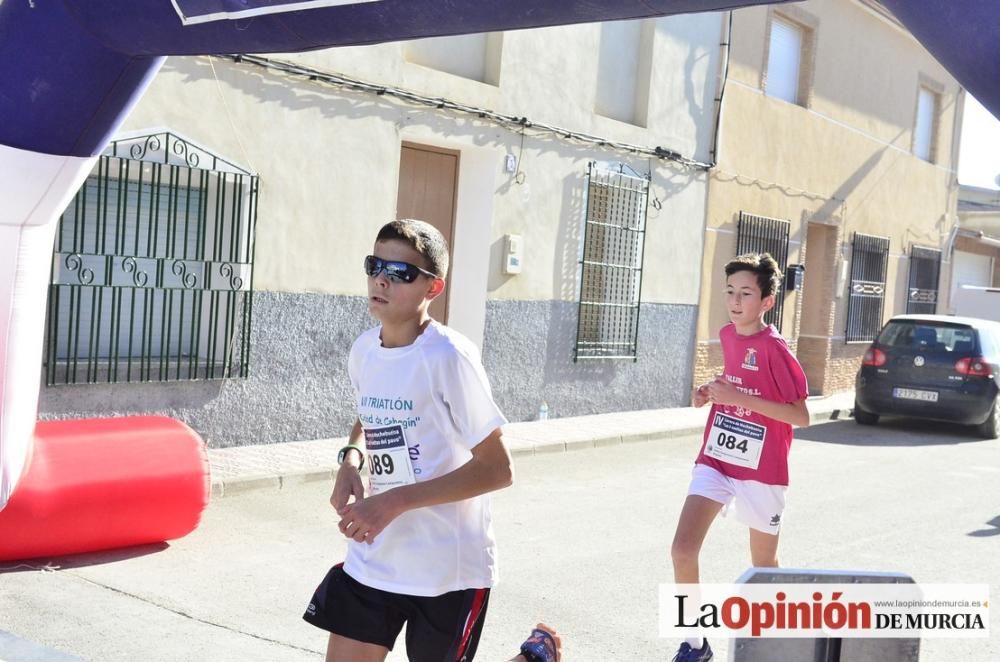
pixel 990 429
pixel 863 417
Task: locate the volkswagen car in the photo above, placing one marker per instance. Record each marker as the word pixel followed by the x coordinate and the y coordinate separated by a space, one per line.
pixel 934 367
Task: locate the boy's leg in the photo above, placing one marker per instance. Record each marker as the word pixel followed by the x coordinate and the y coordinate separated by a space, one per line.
pixel 761 507
pixel 363 622
pixel 446 627
pixel 342 649
pixel 696 517
pixel 763 549
pixel 692 527
pixel 708 493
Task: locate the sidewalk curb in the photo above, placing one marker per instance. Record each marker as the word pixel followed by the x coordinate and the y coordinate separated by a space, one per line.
pixel 278 482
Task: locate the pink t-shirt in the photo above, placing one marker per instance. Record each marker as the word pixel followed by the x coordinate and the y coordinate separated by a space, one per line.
pixel 738 439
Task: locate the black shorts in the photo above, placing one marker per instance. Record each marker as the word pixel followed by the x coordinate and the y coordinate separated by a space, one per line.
pixel 441 628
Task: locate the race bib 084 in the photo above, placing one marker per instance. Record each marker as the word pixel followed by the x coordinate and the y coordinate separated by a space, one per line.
pixel 388 458
pixel 735 441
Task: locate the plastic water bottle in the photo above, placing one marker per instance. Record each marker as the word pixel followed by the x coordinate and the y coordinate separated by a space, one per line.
pixel 543 411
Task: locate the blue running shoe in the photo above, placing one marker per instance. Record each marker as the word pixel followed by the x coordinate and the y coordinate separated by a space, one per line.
pixel 687 654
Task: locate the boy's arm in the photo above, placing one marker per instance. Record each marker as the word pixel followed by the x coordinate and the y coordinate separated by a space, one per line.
pixel 699 396
pixel 355 439
pixel 795 413
pixel 489 469
pixel 348 481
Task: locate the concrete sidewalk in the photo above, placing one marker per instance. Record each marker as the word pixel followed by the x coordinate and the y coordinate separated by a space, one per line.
pixel 275 466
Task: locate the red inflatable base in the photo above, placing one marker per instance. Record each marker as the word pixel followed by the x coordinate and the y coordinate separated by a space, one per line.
pixel 98 484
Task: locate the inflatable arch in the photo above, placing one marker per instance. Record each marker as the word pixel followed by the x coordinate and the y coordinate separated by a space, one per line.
pixel 71 71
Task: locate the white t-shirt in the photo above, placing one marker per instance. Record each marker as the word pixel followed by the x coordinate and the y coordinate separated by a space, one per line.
pixel 434 397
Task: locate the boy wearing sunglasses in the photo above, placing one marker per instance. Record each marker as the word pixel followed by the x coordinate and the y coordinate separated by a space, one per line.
pixel 421 550
pixel 743 461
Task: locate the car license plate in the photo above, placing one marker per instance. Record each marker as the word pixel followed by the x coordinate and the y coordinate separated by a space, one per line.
pixel 914 394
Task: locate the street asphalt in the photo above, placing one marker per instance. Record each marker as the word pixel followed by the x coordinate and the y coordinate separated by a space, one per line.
pixel 584 539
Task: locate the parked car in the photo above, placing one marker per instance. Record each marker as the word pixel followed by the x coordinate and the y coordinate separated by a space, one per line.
pixel 934 367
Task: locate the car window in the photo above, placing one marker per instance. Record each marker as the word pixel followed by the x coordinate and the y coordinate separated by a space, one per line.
pixel 928 337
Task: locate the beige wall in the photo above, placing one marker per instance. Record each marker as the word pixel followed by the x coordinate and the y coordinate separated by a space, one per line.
pixel 328 158
pixel 842 159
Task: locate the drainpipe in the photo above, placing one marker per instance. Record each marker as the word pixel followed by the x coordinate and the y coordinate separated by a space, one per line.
pixel 953 193
pixel 723 77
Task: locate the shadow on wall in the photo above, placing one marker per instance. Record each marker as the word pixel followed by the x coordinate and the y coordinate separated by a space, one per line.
pixel 330 101
pixel 704 127
pixel 518 335
pixel 564 320
pixel 529 345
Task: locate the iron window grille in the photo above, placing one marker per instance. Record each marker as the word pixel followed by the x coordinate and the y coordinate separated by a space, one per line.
pixel 152 269
pixel 611 264
pixel 759 234
pixel 869 260
pixel 924 277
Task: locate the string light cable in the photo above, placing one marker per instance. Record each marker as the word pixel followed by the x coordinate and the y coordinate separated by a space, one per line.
pixel 513 123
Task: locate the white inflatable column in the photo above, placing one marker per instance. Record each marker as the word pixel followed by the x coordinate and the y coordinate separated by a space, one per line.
pixel 35 189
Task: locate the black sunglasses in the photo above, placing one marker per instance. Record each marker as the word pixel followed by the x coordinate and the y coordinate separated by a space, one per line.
pixel 394 270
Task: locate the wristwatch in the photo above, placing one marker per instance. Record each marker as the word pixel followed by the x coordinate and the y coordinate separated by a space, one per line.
pixel 342 455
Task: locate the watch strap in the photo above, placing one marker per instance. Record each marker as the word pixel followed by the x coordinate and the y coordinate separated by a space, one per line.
pixel 342 455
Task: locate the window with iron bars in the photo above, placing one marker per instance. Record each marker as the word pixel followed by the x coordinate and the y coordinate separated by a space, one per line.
pixel 869 260
pixel 759 234
pixel 611 264
pixel 152 268
pixel 922 287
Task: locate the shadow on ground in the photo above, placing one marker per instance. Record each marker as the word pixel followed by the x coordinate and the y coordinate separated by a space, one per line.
pixel 993 529
pixel 82 560
pixel 889 432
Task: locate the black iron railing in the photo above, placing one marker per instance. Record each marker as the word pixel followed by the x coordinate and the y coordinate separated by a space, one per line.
pixel 759 234
pixel 152 270
pixel 922 287
pixel 611 264
pixel 869 260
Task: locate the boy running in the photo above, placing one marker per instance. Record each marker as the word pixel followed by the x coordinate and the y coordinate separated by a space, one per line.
pixel 744 456
pixel 421 548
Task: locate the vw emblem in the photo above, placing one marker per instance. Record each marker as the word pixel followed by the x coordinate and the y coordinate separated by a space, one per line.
pixel 918 361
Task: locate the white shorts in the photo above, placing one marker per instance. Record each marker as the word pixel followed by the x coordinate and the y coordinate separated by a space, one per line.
pixel 758 505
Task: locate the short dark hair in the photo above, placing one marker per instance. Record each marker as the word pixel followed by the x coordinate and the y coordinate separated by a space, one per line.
pixel 423 238
pixel 762 264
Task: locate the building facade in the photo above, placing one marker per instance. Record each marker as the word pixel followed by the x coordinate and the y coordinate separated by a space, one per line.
pixel 210 269
pixel 837 155
pixel 976 244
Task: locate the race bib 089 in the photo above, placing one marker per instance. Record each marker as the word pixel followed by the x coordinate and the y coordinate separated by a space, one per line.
pixel 735 441
pixel 388 458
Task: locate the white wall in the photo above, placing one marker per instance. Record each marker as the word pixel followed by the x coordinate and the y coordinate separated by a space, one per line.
pixel 328 158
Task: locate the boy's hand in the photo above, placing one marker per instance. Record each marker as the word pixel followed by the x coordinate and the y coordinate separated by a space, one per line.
pixel 348 484
pixel 722 392
pixel 364 519
pixel 699 396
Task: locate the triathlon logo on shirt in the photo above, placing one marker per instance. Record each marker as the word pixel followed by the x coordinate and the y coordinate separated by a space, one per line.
pixel 750 360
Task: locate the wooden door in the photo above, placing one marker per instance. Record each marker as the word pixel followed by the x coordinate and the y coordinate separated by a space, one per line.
pixel 428 184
